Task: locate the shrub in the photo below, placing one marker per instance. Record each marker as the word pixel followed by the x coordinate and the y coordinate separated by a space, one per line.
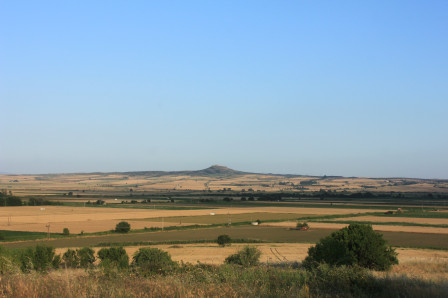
pixel 56 262
pixel 39 258
pixel 86 257
pixel 152 260
pixel 356 244
pixel 66 231
pixel 122 227
pixel 71 258
pixel 248 256
pixel 115 257
pixel 224 240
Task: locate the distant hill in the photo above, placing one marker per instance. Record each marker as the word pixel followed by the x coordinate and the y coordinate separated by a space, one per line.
pixel 218 171
pixel 215 170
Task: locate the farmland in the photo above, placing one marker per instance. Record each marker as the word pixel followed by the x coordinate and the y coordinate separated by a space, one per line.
pixel 211 180
pixel 184 214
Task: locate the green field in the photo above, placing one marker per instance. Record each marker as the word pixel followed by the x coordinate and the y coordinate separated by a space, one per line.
pixel 389 223
pixel 21 236
pixel 268 234
pixel 224 218
pixel 418 214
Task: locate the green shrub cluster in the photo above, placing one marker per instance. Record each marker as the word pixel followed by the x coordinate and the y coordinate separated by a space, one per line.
pixel 80 258
pixel 355 245
pixel 122 227
pixel 40 258
pixel 149 261
pixel 224 240
pixel 114 257
pixel 248 256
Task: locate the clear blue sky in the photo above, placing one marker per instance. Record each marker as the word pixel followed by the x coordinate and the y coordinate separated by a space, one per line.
pixel 353 88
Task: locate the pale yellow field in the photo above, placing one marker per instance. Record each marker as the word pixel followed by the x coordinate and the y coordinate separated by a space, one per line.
pixel 91 219
pixel 384 228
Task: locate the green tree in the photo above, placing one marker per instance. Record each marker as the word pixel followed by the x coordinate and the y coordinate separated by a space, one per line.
pixel 152 260
pixel 356 244
pixel 86 257
pixel 40 258
pixel 114 257
pixel 224 240
pixel 66 231
pixel 122 227
pixel 248 256
pixel 71 258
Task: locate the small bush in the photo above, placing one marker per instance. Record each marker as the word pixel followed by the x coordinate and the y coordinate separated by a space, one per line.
pixel 152 260
pixel 224 240
pixel 71 258
pixel 248 256
pixel 86 257
pixel 56 262
pixel 66 231
pixel 114 257
pixel 356 244
pixel 122 227
pixel 39 258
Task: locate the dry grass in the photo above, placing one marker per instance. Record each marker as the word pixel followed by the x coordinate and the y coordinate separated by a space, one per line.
pixel 77 283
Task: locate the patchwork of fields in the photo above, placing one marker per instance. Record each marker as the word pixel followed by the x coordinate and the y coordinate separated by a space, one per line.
pixel 124 183
pixel 94 219
pixel 188 226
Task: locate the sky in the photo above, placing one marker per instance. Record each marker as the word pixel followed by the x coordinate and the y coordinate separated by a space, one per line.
pixel 350 88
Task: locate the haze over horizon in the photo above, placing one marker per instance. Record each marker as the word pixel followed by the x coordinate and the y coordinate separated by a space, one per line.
pixel 343 88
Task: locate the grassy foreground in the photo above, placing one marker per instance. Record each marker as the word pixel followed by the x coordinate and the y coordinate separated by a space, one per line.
pixel 220 281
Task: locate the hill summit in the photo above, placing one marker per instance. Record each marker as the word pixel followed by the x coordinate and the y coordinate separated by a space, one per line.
pixel 218 170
